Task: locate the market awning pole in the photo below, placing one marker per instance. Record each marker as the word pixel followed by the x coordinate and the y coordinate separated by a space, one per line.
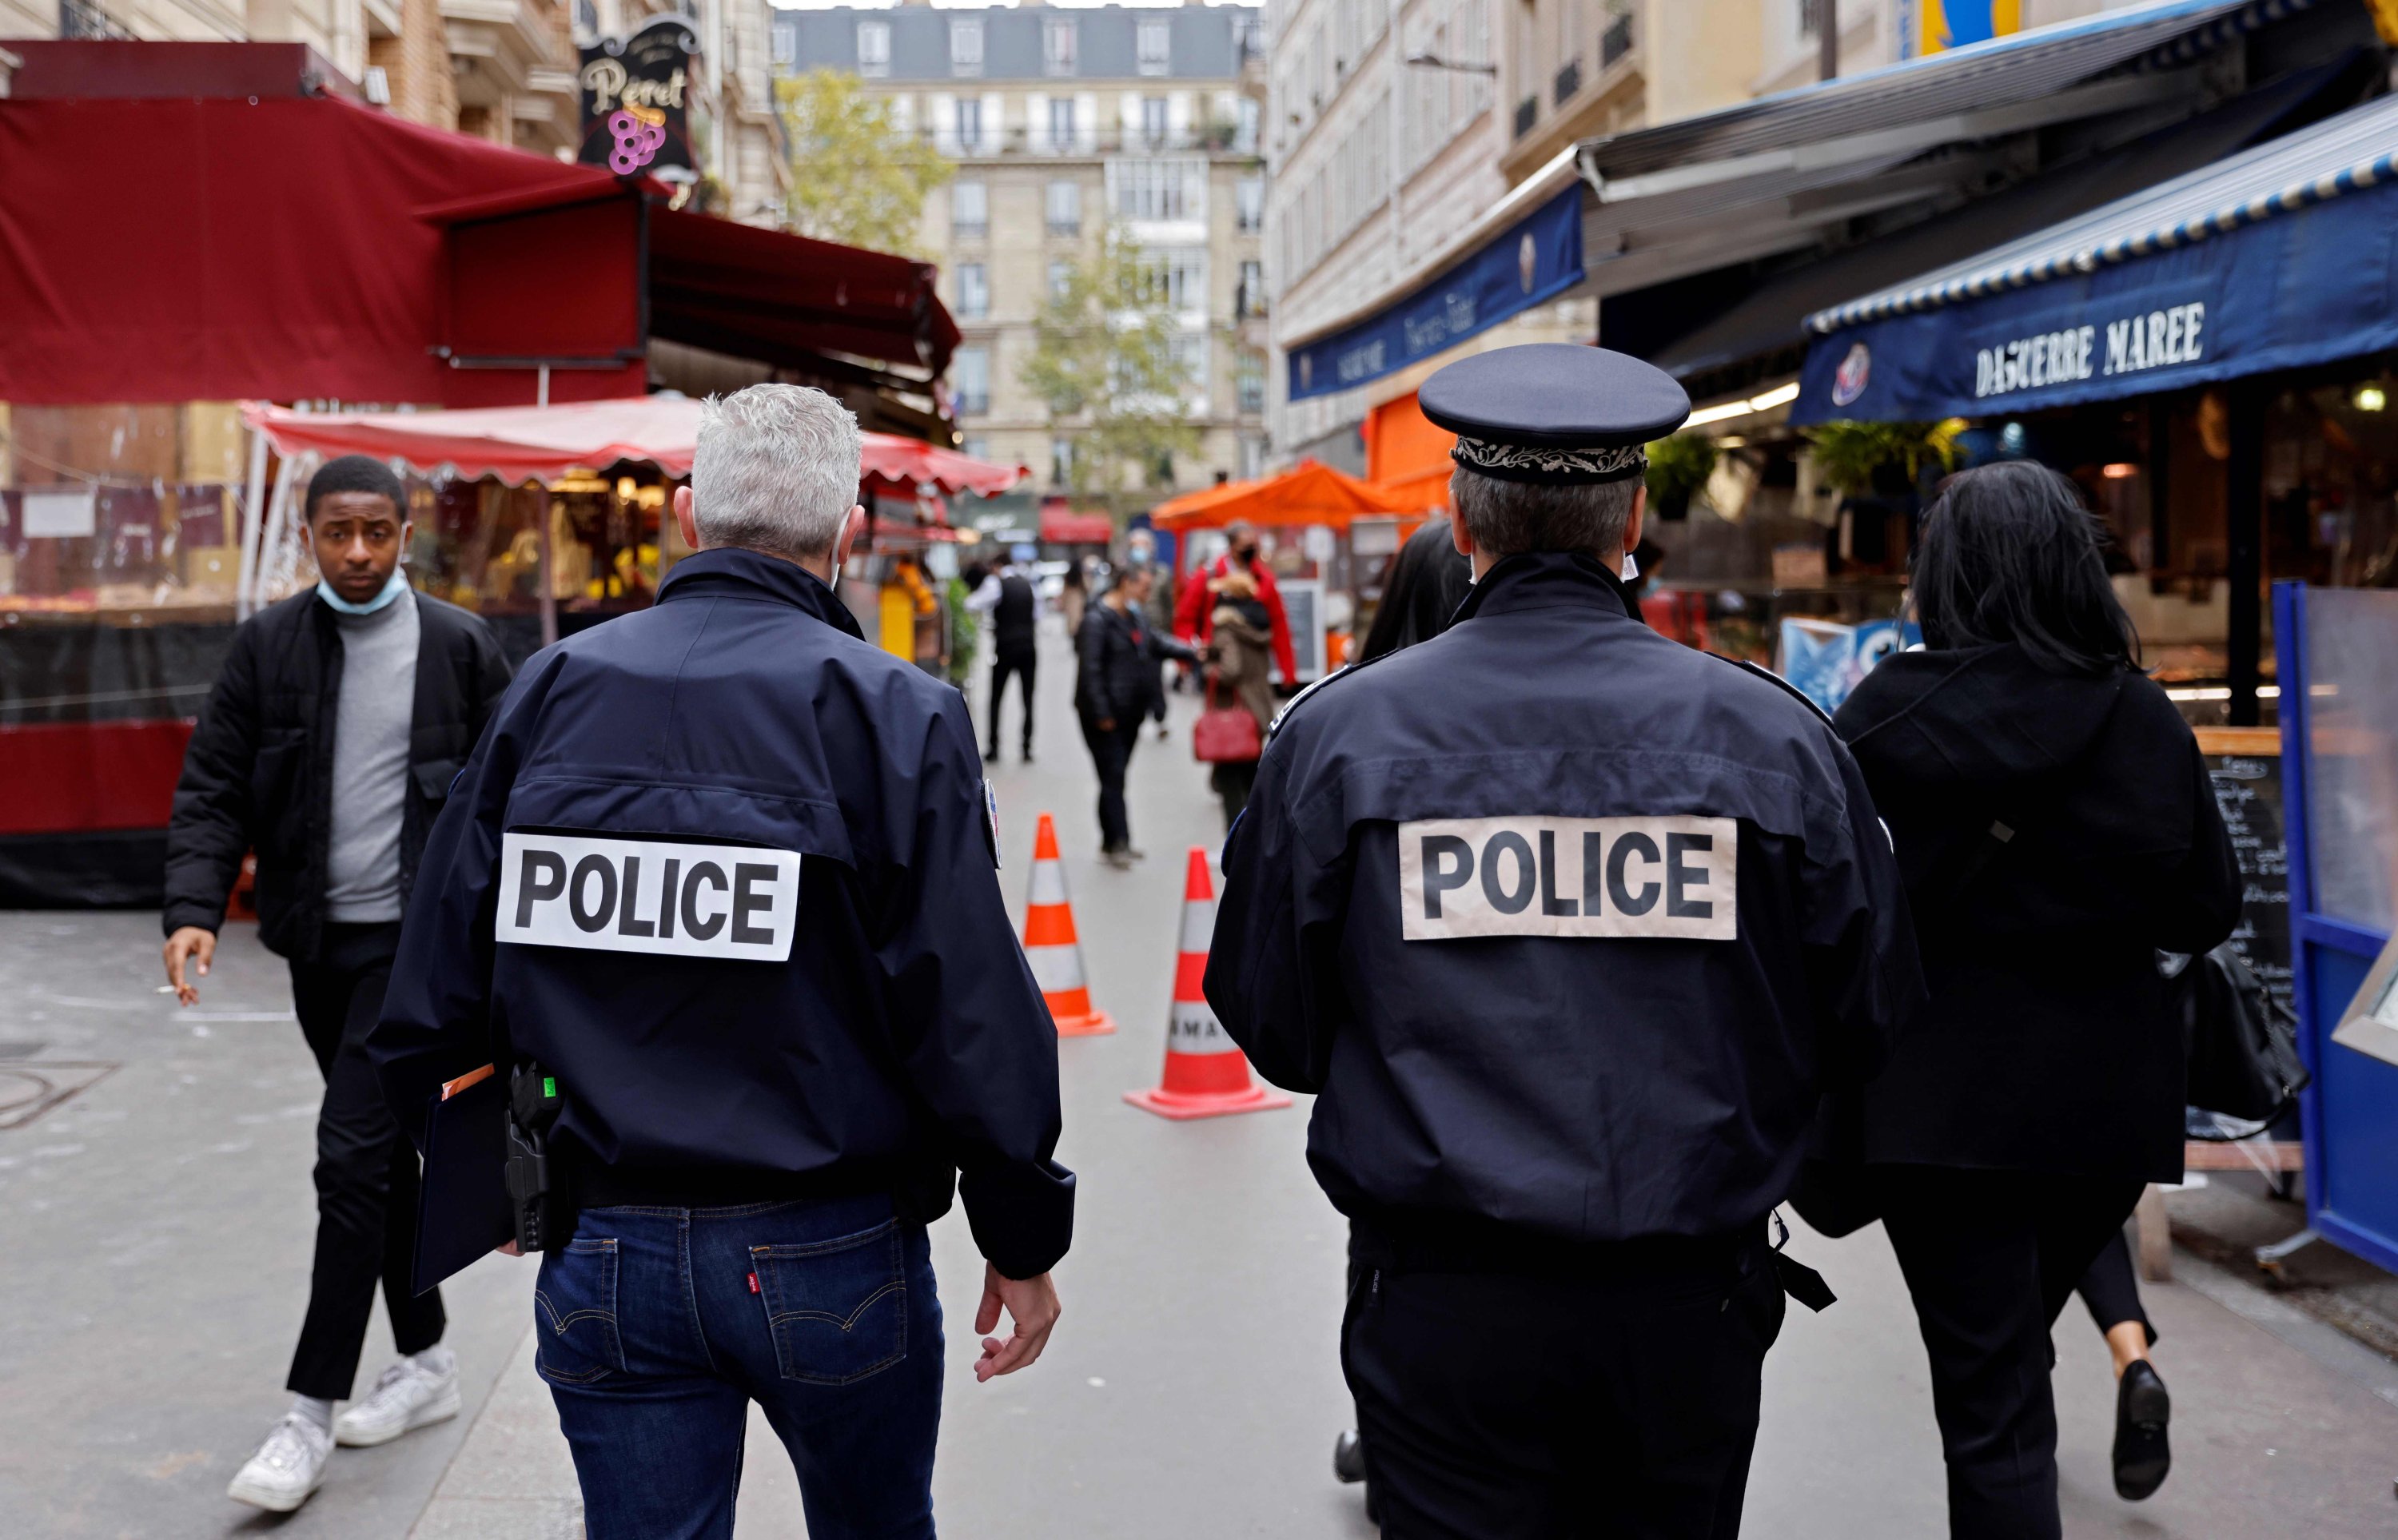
pixel 2243 508
pixel 541 389
pixel 549 566
pixel 254 514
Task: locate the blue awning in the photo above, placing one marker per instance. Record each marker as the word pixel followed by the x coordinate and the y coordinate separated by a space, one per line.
pixel 2278 258
pixel 1530 262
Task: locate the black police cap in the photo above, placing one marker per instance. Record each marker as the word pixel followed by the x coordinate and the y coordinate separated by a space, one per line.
pixel 1554 413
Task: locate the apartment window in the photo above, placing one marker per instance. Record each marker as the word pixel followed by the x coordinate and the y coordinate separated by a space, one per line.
pixel 785 41
pixel 1249 296
pixel 1811 17
pixel 965 45
pixel 1061 124
pixel 1061 277
pixel 1159 189
pixel 1190 349
pixel 974 291
pixel 969 125
pixel 1253 458
pixel 970 379
pixel 1249 203
pixel 1244 130
pixel 1177 279
pixel 977 447
pixel 1065 208
pixel 969 207
pixel 1061 462
pixel 874 49
pixel 1058 45
pixel 1154 43
pixel 1152 122
pixel 1249 382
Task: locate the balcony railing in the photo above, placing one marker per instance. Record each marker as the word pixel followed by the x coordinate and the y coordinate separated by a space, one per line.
pixel 1204 138
pixel 1616 41
pixel 1528 112
pixel 1568 80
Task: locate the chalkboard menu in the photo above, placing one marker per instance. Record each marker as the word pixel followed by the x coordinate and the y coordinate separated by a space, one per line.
pixel 2245 764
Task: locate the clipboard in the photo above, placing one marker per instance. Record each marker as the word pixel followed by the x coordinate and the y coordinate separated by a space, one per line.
pixel 461 1211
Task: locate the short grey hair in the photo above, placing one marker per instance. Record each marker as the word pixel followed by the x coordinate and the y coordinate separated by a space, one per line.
pixel 776 470
pixel 1509 517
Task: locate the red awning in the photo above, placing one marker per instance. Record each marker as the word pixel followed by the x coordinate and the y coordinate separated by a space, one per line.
pixel 233 243
pixel 519 444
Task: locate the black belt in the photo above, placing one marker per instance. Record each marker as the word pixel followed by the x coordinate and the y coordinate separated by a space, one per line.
pixel 1465 1243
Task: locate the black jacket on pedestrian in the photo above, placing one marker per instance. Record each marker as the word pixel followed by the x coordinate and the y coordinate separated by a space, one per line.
pixel 1508 1033
pixel 2046 1044
pixel 1119 654
pixel 1014 619
pixel 258 772
pixel 879 1031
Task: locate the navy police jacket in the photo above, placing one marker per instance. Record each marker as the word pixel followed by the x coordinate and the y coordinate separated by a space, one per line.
pixel 1568 926
pixel 727 873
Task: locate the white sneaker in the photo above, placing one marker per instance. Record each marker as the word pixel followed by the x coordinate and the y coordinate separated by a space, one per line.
pixel 409 1396
pixel 287 1467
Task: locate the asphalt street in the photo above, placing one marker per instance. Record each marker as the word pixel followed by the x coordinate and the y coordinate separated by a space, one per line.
pixel 155 1224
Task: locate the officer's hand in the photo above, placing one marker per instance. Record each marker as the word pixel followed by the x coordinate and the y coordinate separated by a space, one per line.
pixel 507 1248
pixel 189 943
pixel 1031 1302
pixel 1107 724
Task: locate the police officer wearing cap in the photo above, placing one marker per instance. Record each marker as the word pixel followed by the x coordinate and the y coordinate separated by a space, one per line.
pixel 722 874
pixel 1569 927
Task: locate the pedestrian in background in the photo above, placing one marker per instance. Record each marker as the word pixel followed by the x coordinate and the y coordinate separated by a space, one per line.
pixel 1114 690
pixel 1195 615
pixel 1074 593
pixel 2055 826
pixel 330 739
pixel 769 1087
pixel 1006 596
pixel 1240 673
pixel 1140 550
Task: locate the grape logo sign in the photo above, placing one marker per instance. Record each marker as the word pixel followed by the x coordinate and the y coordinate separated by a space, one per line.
pixel 636 94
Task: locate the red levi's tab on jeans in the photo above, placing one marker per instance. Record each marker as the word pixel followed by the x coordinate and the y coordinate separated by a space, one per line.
pixel 753 1284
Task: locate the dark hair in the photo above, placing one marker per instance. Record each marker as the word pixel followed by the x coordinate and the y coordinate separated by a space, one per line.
pixel 2010 554
pixel 1429 580
pixel 355 473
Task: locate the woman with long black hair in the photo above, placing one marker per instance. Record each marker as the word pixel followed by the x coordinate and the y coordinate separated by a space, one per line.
pixel 2055 826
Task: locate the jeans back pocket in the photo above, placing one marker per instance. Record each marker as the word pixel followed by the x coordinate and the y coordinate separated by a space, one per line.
pixel 838 1309
pixel 574 1313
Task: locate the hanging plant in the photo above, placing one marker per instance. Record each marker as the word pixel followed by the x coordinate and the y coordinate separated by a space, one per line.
pixel 1679 469
pixel 1852 457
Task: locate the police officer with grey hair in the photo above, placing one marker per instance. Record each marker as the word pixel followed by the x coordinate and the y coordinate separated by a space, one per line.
pixel 1569 927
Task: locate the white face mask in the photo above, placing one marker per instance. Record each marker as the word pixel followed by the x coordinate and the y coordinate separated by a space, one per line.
pixel 1631 568
pixel 391 590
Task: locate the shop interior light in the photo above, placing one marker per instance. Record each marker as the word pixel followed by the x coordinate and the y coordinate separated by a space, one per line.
pixel 1779 395
pixel 2122 470
pixel 2371 399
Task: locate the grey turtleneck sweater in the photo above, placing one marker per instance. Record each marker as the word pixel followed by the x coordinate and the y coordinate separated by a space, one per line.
pixel 370 734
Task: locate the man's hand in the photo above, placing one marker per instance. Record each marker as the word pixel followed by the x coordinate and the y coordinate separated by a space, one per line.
pixel 1031 1304
pixel 193 946
pixel 1107 724
pixel 507 1248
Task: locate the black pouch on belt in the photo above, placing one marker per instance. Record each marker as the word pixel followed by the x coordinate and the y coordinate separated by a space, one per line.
pixel 544 1219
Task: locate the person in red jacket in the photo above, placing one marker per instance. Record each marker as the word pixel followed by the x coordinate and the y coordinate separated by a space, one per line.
pixel 1194 614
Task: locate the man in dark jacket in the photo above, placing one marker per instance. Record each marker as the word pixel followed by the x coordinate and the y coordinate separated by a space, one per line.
pixel 1117 689
pixel 726 874
pixel 1006 594
pixel 328 743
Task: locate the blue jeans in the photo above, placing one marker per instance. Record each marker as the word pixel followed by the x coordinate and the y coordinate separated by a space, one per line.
pixel 658 1327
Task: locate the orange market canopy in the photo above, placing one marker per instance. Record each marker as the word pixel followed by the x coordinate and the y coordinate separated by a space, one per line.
pixel 519 444
pixel 1310 492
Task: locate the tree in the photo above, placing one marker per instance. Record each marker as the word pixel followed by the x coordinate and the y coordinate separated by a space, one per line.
pixel 857 178
pixel 1103 363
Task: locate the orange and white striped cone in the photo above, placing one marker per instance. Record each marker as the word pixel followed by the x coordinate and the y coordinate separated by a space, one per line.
pixel 1050 946
pixel 1206 1076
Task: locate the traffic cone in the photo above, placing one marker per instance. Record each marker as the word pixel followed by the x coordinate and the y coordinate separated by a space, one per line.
pixel 1050 946
pixel 1206 1074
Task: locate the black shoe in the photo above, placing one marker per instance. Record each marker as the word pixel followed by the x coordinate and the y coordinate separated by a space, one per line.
pixel 1028 754
pixel 991 755
pixel 2142 1455
pixel 1348 1457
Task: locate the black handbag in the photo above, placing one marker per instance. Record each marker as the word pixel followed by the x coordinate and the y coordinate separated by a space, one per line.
pixel 2243 1044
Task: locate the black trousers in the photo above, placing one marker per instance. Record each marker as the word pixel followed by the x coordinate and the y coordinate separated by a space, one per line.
pixel 1990 1259
pixel 1233 782
pixel 1111 756
pixel 1501 1407
pixel 1022 664
pixel 365 1172
pixel 2111 1288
